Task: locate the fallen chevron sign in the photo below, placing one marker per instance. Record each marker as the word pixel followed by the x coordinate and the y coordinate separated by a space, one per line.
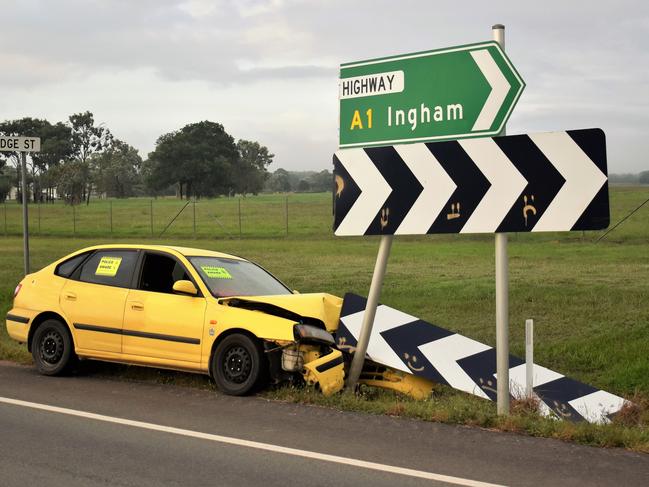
pixel 554 181
pixel 408 344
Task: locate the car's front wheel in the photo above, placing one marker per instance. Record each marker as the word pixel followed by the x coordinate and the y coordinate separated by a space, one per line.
pixel 238 365
pixel 52 348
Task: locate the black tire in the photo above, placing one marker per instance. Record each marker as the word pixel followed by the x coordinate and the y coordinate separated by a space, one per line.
pixel 52 348
pixel 239 365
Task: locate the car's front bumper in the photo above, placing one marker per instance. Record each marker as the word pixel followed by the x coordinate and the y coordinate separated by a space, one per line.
pixel 327 372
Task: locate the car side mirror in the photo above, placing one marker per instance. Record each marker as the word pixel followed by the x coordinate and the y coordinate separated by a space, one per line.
pixel 185 287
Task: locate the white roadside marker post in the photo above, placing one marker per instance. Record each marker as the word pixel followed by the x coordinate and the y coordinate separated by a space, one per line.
pixel 529 358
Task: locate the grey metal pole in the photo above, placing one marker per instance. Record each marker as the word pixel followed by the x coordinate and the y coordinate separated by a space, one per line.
pixel 529 357
pixel 286 213
pixel 370 310
pixel 5 212
pixel 39 216
pixel 194 210
pixel 74 220
pixel 110 215
pixel 151 215
pixel 23 185
pixel 239 216
pixel 502 293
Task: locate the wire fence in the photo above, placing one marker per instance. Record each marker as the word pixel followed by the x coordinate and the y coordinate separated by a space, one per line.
pixel 279 215
pixel 255 216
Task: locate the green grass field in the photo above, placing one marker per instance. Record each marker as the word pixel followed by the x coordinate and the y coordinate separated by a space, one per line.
pixel 590 301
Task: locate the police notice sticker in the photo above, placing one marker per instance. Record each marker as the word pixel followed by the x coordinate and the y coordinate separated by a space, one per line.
pixel 108 266
pixel 214 272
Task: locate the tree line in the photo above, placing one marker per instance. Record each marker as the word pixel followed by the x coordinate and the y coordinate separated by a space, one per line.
pixel 80 158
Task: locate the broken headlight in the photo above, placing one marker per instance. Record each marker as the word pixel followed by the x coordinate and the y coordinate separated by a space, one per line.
pixel 308 333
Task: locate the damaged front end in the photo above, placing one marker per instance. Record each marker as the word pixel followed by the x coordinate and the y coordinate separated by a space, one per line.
pixel 307 353
pixel 310 358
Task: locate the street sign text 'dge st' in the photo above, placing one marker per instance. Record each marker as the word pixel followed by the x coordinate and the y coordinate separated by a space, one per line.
pixel 554 181
pixel 452 93
pixel 19 144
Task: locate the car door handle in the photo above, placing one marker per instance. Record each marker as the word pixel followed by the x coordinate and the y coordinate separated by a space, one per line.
pixel 70 296
pixel 137 306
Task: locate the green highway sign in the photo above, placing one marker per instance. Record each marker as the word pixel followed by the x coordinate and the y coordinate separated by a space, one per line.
pixel 452 93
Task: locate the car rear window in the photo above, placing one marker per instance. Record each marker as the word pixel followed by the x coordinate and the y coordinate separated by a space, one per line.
pixel 110 267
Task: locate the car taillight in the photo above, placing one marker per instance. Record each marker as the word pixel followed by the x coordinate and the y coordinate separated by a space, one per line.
pixel 17 290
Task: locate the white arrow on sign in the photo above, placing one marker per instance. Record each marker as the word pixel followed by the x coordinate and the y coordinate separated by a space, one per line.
pixel 374 190
pixel 444 354
pixel 499 89
pixel 437 184
pixel 506 184
pixel 378 349
pixel 583 181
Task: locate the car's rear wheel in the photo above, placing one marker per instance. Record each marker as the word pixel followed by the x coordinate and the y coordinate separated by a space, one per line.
pixel 238 365
pixel 52 348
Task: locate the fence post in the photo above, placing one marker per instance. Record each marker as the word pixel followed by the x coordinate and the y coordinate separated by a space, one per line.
pixel 286 212
pixel 194 210
pixel 151 215
pixel 110 215
pixel 74 221
pixel 39 217
pixel 239 216
pixel 5 207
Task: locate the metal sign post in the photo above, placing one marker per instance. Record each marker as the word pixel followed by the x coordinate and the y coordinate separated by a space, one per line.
pixel 370 310
pixel 502 291
pixel 22 145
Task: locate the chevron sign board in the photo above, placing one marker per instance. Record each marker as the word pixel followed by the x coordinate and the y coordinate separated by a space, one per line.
pixel 408 344
pixel 555 181
pixel 451 93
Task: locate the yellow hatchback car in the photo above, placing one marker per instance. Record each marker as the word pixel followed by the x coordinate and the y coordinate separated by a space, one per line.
pixel 178 308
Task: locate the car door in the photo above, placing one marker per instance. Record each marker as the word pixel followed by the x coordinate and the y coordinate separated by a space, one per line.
pixel 93 299
pixel 158 324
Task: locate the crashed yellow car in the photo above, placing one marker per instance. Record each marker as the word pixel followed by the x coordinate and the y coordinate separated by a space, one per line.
pixel 178 308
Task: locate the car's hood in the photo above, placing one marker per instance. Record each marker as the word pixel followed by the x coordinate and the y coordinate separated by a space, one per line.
pixel 320 306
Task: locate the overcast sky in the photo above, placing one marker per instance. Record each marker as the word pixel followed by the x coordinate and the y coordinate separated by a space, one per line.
pixel 267 70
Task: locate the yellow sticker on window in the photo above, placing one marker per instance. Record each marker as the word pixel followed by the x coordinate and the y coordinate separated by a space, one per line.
pixel 214 272
pixel 108 266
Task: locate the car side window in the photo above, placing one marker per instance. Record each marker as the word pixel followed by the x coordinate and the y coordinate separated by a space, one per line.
pixel 110 267
pixel 66 268
pixel 159 272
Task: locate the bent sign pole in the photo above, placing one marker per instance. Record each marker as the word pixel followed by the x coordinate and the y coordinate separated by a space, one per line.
pixel 22 145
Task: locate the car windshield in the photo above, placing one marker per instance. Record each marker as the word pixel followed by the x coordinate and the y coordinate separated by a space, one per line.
pixel 230 277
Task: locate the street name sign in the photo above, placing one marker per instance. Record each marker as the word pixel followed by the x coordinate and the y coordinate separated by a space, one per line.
pixel 553 181
pixel 452 93
pixel 20 144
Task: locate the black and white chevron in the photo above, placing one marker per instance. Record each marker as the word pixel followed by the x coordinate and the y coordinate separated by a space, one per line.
pixel 408 344
pixel 555 181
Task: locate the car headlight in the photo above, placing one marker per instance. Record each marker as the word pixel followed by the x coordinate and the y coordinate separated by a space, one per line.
pixel 312 333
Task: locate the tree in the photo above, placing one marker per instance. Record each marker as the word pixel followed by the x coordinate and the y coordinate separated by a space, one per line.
pixel 322 181
pixel 303 186
pixel 643 177
pixel 56 148
pixel 116 170
pixel 251 170
pixel 88 139
pixel 199 158
pixel 279 181
pixel 71 179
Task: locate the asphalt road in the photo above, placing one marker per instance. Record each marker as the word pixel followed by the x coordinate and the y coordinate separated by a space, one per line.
pixel 88 430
